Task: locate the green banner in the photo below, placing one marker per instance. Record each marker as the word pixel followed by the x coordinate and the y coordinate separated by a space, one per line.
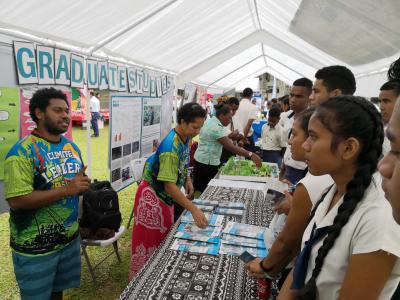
pixel 9 122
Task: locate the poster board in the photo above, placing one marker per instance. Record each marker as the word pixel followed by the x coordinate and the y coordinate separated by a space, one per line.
pixel 9 122
pixel 138 122
pixel 125 138
pixel 151 125
pixel 26 122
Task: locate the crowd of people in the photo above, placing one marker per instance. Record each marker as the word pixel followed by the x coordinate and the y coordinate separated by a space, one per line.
pixel 340 240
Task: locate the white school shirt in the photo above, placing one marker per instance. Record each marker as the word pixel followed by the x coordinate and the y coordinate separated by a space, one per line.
pixel 289 161
pixel 316 186
pixel 286 125
pixel 271 138
pixel 236 124
pixel 386 144
pixel 287 158
pixel 245 112
pixel 370 228
pixel 94 104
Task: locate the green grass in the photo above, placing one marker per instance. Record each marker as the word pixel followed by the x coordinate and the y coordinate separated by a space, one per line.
pixel 112 276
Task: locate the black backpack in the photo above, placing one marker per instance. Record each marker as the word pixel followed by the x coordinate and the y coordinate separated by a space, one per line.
pixel 100 207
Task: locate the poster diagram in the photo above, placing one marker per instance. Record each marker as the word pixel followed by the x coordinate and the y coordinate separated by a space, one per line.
pixel 151 127
pixel 167 107
pixel 125 132
pixel 27 124
pixel 9 122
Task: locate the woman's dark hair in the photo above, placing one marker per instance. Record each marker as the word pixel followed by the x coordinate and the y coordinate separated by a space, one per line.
pixel 394 78
pixel 189 112
pixel 221 109
pixel 41 99
pixel 304 118
pixel 233 101
pixel 364 124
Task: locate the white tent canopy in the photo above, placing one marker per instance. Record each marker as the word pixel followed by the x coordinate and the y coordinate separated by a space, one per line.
pixel 222 43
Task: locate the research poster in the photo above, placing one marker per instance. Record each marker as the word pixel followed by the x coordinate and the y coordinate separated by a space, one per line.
pixel 125 137
pixel 151 125
pixel 9 122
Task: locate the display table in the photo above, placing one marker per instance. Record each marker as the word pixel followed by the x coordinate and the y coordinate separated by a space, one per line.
pixel 173 274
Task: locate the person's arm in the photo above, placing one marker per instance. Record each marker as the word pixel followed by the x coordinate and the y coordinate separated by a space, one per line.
pixel 286 293
pixel 366 275
pixel 37 199
pixel 235 135
pixel 172 189
pixel 247 127
pixel 168 174
pixel 189 188
pixel 228 145
pixel 288 243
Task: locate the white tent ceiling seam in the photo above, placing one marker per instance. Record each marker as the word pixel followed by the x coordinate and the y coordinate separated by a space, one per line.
pixel 130 27
pixel 236 69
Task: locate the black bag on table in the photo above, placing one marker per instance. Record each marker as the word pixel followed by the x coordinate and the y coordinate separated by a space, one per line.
pixel 100 207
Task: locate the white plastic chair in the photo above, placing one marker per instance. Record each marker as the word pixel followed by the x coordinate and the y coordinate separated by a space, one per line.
pixel 101 243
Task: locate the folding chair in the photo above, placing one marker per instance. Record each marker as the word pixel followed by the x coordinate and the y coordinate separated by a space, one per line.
pixel 101 243
pixel 137 167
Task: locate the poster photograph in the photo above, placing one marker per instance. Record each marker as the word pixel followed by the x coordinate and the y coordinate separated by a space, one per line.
pixel 151 127
pixel 125 136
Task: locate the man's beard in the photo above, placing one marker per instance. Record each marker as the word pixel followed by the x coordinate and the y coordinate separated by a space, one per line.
pixel 52 128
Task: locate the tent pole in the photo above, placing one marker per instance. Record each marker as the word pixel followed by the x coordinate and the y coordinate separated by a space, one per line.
pixel 88 139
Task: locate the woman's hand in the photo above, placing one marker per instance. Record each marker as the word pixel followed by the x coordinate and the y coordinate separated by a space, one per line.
pixel 199 218
pixel 254 268
pixel 256 159
pixel 284 180
pixel 285 205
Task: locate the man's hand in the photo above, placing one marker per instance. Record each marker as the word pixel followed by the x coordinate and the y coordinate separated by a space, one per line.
pixel 79 184
pixel 189 189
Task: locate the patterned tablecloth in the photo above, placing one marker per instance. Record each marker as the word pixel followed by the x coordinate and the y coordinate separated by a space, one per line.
pixel 179 275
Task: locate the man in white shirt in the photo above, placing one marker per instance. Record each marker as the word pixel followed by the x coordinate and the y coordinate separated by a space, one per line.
pixel 388 95
pixel 300 92
pixel 95 113
pixel 330 82
pixel 244 118
pixel 271 138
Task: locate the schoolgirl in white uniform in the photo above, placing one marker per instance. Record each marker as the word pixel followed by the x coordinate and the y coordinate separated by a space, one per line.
pixel 351 245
